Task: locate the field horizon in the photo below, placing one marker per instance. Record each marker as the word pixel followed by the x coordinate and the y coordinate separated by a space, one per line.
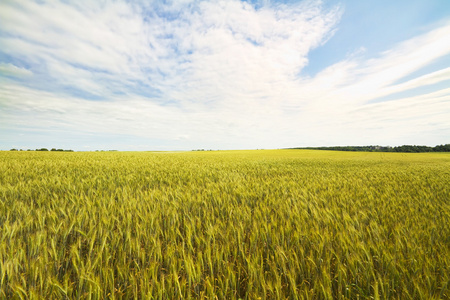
pixel 412 148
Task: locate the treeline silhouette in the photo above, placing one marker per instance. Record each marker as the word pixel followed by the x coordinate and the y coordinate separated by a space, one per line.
pixel 44 149
pixel 404 148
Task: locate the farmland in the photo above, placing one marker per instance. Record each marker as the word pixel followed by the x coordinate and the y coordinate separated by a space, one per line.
pixel 268 224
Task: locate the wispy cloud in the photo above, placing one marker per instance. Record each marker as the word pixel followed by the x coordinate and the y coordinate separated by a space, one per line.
pixel 212 74
pixel 10 70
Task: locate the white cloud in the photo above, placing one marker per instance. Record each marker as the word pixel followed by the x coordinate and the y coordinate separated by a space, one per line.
pixel 211 74
pixel 9 69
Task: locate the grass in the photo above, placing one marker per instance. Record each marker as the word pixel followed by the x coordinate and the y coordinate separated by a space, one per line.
pixel 273 224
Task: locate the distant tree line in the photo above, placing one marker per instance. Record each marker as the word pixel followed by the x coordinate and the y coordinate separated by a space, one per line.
pixel 44 149
pixel 404 148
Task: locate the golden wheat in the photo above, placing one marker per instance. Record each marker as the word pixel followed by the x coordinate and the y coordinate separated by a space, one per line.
pixel 224 224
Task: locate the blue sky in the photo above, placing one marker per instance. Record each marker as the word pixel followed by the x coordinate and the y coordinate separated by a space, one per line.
pixel 181 75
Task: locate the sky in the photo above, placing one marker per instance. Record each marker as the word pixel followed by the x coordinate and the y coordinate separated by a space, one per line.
pixel 191 74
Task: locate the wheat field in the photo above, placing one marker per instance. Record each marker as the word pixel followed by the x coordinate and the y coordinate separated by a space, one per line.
pixel 261 224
